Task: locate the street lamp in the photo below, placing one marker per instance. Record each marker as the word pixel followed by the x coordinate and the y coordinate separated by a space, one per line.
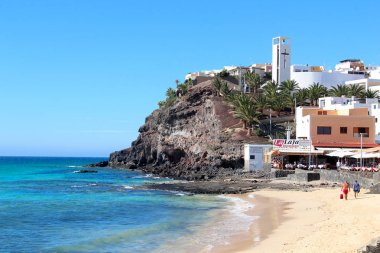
pixel 270 122
pixel 361 150
pixel 309 156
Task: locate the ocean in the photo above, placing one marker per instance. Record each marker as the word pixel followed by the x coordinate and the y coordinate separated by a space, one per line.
pixel 46 207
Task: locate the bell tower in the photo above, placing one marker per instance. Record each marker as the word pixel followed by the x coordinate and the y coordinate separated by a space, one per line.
pixel 281 50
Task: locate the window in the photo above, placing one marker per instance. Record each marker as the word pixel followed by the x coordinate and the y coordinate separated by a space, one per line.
pixel 376 120
pixel 323 130
pixel 343 130
pixel 357 131
pixel 252 157
pixel 322 112
pixel 374 106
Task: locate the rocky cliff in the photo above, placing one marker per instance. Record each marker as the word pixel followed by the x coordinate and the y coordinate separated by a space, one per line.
pixel 196 138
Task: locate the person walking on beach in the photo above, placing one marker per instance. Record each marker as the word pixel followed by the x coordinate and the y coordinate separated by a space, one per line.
pixel 345 189
pixel 356 188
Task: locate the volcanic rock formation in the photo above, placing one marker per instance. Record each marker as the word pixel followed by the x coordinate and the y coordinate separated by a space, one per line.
pixel 196 138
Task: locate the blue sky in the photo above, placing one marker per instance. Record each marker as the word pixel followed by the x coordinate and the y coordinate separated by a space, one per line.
pixel 77 78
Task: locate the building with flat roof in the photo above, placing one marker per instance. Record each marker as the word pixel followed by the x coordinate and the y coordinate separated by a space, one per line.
pixel 336 128
pixel 306 75
pixel 343 103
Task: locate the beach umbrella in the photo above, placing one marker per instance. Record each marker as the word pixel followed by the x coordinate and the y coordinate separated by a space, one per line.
pixel 364 155
pixel 373 155
pixel 341 153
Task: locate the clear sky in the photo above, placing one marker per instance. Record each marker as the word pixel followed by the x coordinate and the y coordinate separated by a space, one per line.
pixel 77 78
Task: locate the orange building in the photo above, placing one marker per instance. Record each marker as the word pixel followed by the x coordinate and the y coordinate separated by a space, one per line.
pixel 346 128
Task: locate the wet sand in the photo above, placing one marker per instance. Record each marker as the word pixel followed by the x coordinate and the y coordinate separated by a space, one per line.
pixel 269 214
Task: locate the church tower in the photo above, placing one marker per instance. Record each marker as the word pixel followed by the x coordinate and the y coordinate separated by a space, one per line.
pixel 281 59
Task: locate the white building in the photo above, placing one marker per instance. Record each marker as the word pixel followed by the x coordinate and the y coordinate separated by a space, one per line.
pixel 368 83
pixel 281 49
pixel 306 75
pixel 351 66
pixel 257 157
pixel 260 69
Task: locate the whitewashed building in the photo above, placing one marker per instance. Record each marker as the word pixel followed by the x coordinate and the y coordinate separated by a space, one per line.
pixel 306 75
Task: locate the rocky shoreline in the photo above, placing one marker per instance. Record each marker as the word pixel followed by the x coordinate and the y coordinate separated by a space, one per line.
pixel 225 187
pixel 238 182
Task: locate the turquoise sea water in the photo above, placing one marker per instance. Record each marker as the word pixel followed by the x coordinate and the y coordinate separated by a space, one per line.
pixel 46 207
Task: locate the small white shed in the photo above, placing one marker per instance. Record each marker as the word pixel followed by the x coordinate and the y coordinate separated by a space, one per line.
pixel 257 156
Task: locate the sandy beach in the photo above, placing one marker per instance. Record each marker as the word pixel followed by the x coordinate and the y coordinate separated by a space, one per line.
pixel 313 221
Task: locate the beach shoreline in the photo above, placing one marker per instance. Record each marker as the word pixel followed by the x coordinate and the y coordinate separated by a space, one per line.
pixel 312 221
pixel 268 214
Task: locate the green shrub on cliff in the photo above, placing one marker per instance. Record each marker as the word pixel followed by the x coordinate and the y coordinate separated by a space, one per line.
pixel 172 95
pixel 170 98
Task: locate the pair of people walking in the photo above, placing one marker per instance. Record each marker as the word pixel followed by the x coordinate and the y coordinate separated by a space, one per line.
pixel 346 189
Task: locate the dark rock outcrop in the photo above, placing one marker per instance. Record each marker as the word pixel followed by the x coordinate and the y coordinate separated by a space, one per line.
pixel 86 171
pixel 195 139
pixel 372 247
pixel 99 164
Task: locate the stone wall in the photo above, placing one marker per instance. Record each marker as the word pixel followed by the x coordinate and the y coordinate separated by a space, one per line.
pixel 304 176
pixel 280 173
pixel 341 176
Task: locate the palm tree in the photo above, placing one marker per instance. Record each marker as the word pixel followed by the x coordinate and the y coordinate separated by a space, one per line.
pixel 254 81
pixel 301 96
pixel 278 105
pixel 288 101
pixel 273 95
pixel 289 87
pixel 371 94
pixel 244 108
pixel 339 90
pixel 316 91
pixel 189 82
pixel 271 90
pixel 261 103
pixel 289 90
pixel 170 99
pixel 217 83
pixel 170 93
pixel 356 90
pixel 226 91
pixel 183 88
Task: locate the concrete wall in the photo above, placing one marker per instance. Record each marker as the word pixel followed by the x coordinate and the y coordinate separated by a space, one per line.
pixel 341 176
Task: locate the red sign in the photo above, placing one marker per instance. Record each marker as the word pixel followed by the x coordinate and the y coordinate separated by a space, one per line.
pixel 291 144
